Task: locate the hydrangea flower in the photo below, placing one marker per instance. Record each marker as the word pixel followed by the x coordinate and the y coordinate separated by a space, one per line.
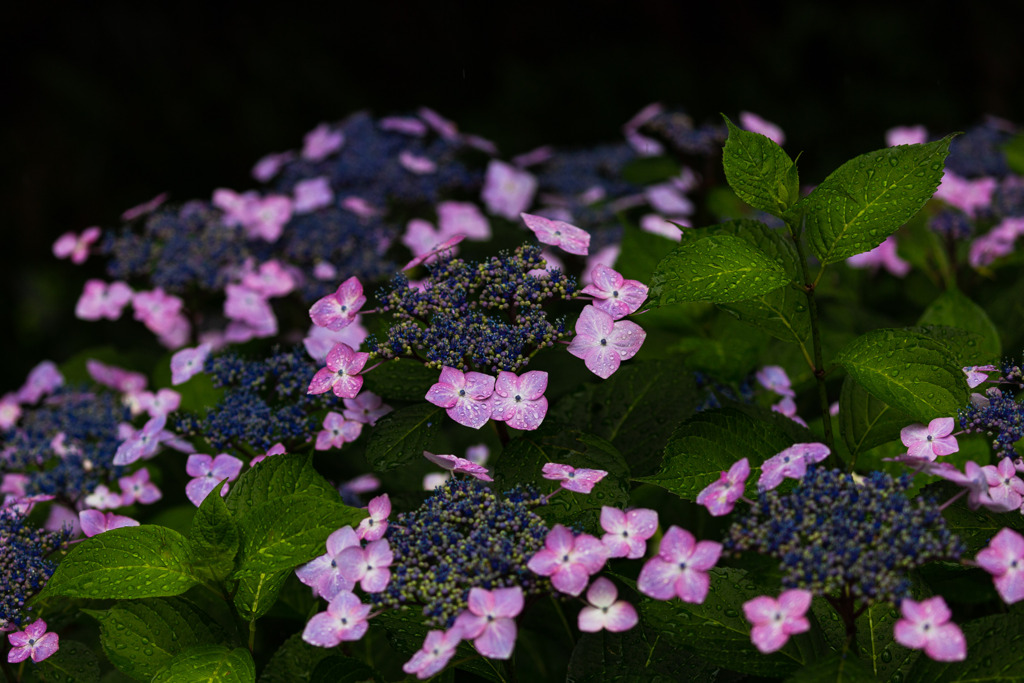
pixel 33 642
pixel 626 532
pixel 507 191
pixel 978 374
pixel 459 465
pixel 614 294
pixel 906 135
pixel 142 443
pixel 102 300
pixel 490 620
pixel 776 620
pixel 187 363
pixel 882 256
pixel 366 408
pixel 312 194
pixel 1003 558
pixel 341 374
pixel 680 568
pixel 102 498
pixel 209 472
pixel 568 559
pixel 162 402
pixel 138 487
pixel 463 218
pixel 337 431
pixel 94 522
pixel 368 566
pixel 518 400
pixel 415 163
pixel 337 311
pixel 774 378
pixel 756 124
pixel 76 247
pixel 1005 488
pixel 790 463
pixel 373 527
pixel 321 142
pixel 438 648
pixel 970 196
pixel 581 480
pixel 605 611
pixel 558 233
pixel 603 343
pixel 926 625
pixel 932 441
pixel 467 396
pixel 345 619
pixel 323 574
pixel 720 497
pixel 43 379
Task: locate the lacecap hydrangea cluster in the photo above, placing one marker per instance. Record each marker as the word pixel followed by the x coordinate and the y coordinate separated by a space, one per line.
pixel 833 533
pixel 24 567
pixel 463 536
pixel 997 413
pixel 486 316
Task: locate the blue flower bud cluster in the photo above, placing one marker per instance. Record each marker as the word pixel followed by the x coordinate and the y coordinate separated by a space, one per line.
pixel 979 152
pixel 1008 200
pixel 264 402
pixel 714 392
pixel 832 534
pixel 678 131
pixel 485 316
pixel 952 223
pixel 999 416
pixel 24 567
pixel 463 536
pixel 88 418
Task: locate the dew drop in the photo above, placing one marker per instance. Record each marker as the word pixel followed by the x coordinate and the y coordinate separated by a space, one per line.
pixel 731 613
pixel 893 161
pixel 886 656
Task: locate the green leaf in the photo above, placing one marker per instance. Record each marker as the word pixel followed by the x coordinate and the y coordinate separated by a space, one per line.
pixel 401 436
pixel 209 664
pixel 866 199
pixel 641 252
pixel 759 171
pixel 258 590
pixel 140 637
pixel 994 653
pixel 717 631
pixel 953 308
pixel 712 440
pixel 1014 150
pixel 874 636
pixel 636 408
pixel 295 660
pixel 132 562
pixel 73 662
pixel 635 656
pixel 275 477
pixel 401 380
pixel 716 269
pixel 290 530
pixel 213 539
pixel 341 669
pixel 974 527
pixel 907 371
pixel 839 668
pixel 865 421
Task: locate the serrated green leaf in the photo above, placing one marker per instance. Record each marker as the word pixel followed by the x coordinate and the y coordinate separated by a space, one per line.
pixel 908 371
pixel 140 637
pixel 636 409
pixel 209 664
pixel 290 530
pixel 711 441
pixel 74 662
pixel 717 631
pixel 401 380
pixel 716 269
pixel 964 346
pixel 132 562
pixel 835 669
pixel 865 421
pixel 953 308
pixel 995 652
pixel 213 539
pixel 759 171
pixel 295 660
pixel 400 437
pixel 866 199
pixel 277 476
pixel 874 637
pixel 257 591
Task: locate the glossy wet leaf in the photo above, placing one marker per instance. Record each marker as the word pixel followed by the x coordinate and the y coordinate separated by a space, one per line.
pixel 866 421
pixel 953 308
pixel 995 652
pixel 759 171
pixel 74 662
pixel 277 476
pixel 401 436
pixel 209 664
pixel 213 539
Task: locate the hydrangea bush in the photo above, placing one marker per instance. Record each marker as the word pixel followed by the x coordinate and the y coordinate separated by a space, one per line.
pixel 657 409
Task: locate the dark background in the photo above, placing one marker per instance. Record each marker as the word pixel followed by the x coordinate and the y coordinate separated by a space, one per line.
pixel 104 105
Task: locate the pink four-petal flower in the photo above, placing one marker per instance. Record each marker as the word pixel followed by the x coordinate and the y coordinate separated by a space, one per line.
pixel 368 566
pixel 720 497
pixel 569 560
pixel 926 625
pixel 518 400
pixel 1003 558
pixel 209 472
pixel 932 441
pixel 605 611
pixel 95 522
pixel 467 396
pixel 337 431
pixel 373 527
pixel 490 620
pixel 76 247
pixel 603 343
pixel 323 574
pixel 614 294
pixel 558 233
pixel 438 648
pixel 33 642
pixel 577 480
pixel 342 372
pixel 458 465
pixel 776 620
pixel 626 532
pixel 102 300
pixel 345 619
pixel 791 462
pixel 680 568
pixel 337 311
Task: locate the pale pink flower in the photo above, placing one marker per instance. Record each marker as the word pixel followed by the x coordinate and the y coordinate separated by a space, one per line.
pixel 978 374
pixel 462 218
pixel 467 396
pixel 187 363
pixel 208 473
pixel 144 208
pixel 76 247
pixel 756 124
pixel 458 465
pixel 321 142
pixel 416 164
pixel 319 340
pixel 102 300
pixel 337 311
pixel 507 190
pixel 641 144
pixel 432 480
pixel 926 625
pixel 787 407
pixel 277 449
pixel 422 239
pixel 267 167
pixel 125 381
pixel 603 343
pixel 605 611
pixel 10 411
pixel 790 463
pixel 438 648
pixel 43 379
pixel 157 310
pixel 270 280
pixel 614 294
pixel 14 483
pixel 138 487
pixel 34 641
pixel 774 379
pixel 518 400
pixel 478 454
pixel 490 620
pixel 345 619
pixel 667 200
pixel 312 194
pixel 993 245
pixel 364 483
pixel 906 135
pixel 657 225
pixel 94 522
pixel 776 620
pixel 577 480
pixel 967 195
pixel 406 125
pixel 446 247
pixel 1003 558
pixel 341 374
pixel 323 574
pixel 882 256
pixel 368 566
pixel 1005 488
pixel 626 532
pixel 266 217
pixel 932 441
pixel 237 208
pixel 163 402
pixel 143 443
pixel 366 408
pixel 558 233
pixel 720 497
pixel 102 498
pixel 680 569
pixel 373 527
pixel 337 431
pixel 569 560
